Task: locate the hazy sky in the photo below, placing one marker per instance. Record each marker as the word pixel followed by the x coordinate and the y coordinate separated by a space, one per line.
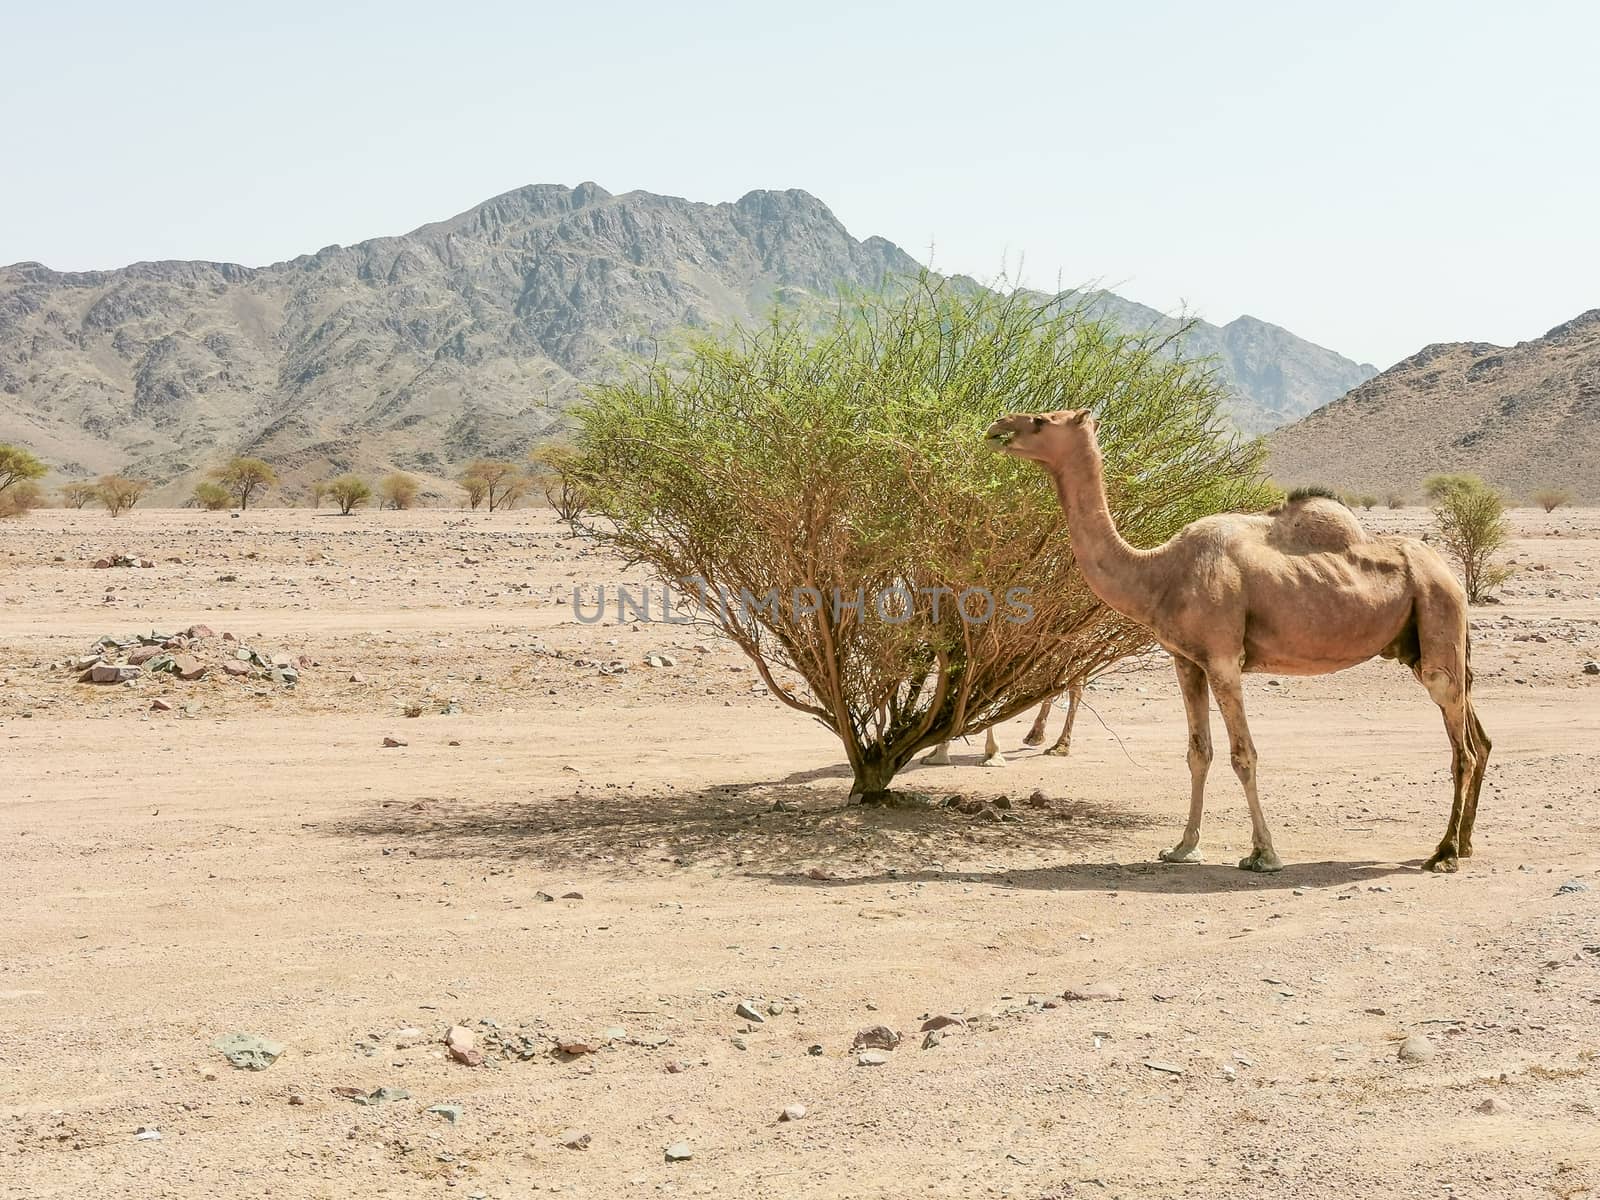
pixel 1372 176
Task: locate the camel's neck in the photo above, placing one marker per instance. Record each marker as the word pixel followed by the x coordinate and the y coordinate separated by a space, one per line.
pixel 1115 571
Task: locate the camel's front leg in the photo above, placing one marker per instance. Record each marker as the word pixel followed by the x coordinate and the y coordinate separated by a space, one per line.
pixel 1226 683
pixel 991 751
pixel 939 756
pixel 1197 705
pixel 1036 734
pixel 1063 746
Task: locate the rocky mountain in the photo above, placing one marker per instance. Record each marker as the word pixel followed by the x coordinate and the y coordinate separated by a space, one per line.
pixel 1523 417
pixel 461 338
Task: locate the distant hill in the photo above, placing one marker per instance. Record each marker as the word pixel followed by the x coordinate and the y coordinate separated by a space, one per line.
pixel 1523 417
pixel 461 338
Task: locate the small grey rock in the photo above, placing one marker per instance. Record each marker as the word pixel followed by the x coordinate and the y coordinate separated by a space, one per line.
pixel 792 1112
pixel 872 1058
pixel 1416 1048
pixel 876 1037
pixel 679 1152
pixel 747 1009
pixel 1572 887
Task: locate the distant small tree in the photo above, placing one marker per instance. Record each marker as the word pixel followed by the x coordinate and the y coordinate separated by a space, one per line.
pixel 1551 498
pixel 1470 517
pixel 244 477
pixel 1434 487
pixel 503 483
pixel 552 471
pixel 78 493
pixel 1396 500
pixel 119 493
pixel 318 493
pixel 399 490
pixel 1367 501
pixel 475 489
pixel 212 496
pixel 17 466
pixel 21 498
pixel 348 491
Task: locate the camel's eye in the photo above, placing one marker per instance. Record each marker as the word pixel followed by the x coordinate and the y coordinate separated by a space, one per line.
pixel 1038 424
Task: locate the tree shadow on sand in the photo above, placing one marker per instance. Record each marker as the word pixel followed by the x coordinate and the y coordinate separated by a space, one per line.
pixel 792 833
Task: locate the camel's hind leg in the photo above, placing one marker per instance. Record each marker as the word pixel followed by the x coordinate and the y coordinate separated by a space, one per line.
pixel 1036 734
pixel 991 750
pixel 1197 705
pixel 1443 669
pixel 1063 746
pixel 1229 689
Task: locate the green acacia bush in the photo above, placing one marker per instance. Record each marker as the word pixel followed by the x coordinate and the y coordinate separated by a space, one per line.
pixel 1470 518
pixel 821 457
pixel 211 495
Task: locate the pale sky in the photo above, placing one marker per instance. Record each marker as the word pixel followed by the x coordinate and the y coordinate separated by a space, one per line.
pixel 1373 176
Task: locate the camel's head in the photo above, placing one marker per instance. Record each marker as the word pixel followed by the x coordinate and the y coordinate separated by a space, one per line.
pixel 1042 437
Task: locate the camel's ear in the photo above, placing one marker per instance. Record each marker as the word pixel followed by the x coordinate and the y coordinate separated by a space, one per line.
pixel 1078 416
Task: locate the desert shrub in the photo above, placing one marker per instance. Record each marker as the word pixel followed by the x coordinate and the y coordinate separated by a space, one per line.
pixel 822 479
pixel 21 498
pixel 348 491
pixel 245 477
pixel 552 466
pixel 1470 517
pixel 1552 498
pixel 398 490
pixel 78 493
pixel 211 495
pixel 1436 487
pixel 18 466
pixel 317 493
pixel 1396 500
pixel 1367 501
pixel 119 493
pixel 503 482
pixel 475 489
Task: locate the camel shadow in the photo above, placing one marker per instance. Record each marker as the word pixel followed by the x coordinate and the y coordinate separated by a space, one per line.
pixel 1156 878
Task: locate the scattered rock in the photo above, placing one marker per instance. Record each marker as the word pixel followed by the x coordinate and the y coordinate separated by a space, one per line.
pixel 1571 887
pixel 942 1022
pixel 188 668
pixel 932 1038
pixel 1092 991
pixel 575 1046
pixel 679 1152
pixel 571 895
pixel 872 1058
pixel 159 705
pixel 108 673
pixel 577 1139
pixel 147 1135
pixel 792 1112
pixel 1037 799
pixel 235 667
pixel 462 1046
pixel 747 1010
pixel 1416 1048
pixel 876 1037
pixel 450 1112
pixel 248 1051
pixel 297 1098
pixel 1591 667
pixel 1165 1068
pixel 1494 1106
pixel 393 742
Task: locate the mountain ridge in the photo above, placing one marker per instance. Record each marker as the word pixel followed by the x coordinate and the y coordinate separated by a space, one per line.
pixel 1523 416
pixel 463 336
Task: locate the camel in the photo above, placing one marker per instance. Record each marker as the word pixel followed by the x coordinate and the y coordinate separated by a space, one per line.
pixel 940 755
pixel 1300 590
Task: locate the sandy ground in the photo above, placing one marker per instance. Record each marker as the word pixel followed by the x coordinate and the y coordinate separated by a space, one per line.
pixel 256 860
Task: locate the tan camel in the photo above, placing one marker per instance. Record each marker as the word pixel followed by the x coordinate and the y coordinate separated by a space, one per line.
pixel 940 756
pixel 1301 590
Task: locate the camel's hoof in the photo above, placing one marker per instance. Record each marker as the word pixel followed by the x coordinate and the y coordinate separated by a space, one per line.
pixel 1034 738
pixel 938 758
pixel 1179 854
pixel 995 760
pixel 1059 750
pixel 1464 852
pixel 1264 861
pixel 1443 863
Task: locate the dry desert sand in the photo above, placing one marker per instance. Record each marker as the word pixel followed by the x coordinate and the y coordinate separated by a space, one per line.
pixel 256 860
